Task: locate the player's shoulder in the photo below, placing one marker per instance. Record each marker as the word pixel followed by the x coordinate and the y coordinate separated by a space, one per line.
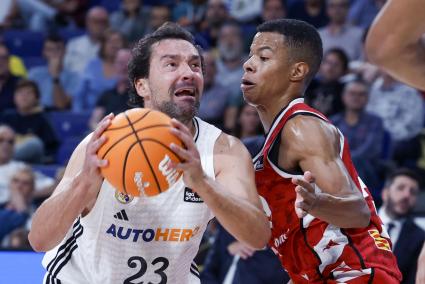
pixel 304 132
pixel 228 144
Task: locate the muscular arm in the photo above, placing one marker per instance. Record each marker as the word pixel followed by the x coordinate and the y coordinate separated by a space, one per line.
pixel 74 195
pixel 232 196
pixel 313 145
pixel 394 41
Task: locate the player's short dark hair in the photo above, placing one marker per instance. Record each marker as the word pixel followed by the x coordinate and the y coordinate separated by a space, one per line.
pixel 302 40
pixel 342 56
pixel 403 172
pixel 139 64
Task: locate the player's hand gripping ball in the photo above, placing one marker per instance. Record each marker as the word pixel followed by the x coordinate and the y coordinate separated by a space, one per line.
pixel 138 152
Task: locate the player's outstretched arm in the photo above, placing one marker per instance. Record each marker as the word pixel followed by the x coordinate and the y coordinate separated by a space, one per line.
pixel 232 196
pixel 394 41
pixel 75 194
pixel 314 146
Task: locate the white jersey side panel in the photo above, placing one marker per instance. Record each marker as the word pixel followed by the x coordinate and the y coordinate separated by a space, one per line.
pixel 130 240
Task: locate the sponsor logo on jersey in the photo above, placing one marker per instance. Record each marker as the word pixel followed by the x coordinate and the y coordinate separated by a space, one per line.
pixel 380 242
pixel 170 175
pixel 259 163
pixel 121 215
pixel 281 239
pixel 138 180
pixel 191 196
pixel 152 234
pixel 122 197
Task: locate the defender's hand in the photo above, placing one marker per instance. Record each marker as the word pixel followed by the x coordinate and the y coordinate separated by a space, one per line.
pixel 306 196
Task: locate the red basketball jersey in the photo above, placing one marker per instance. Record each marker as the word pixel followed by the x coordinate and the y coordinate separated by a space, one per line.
pixel 313 251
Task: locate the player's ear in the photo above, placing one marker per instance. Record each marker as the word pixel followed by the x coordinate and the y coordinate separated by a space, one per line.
pixel 299 71
pixel 142 88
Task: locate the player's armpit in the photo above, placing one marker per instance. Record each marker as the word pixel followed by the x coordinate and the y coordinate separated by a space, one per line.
pixel 311 144
pixel 233 197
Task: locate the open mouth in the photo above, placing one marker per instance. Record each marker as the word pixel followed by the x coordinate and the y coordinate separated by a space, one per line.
pixel 247 82
pixel 185 92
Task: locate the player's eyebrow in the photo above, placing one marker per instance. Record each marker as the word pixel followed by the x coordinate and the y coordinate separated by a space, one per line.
pixel 261 48
pixel 177 56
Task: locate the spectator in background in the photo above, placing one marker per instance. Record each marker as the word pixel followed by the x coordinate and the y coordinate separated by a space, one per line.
pixel 230 57
pixel 7 80
pixel 189 14
pixel 216 98
pixel 99 74
pixel 56 84
pixel 8 166
pixel 131 19
pixel 232 262
pixel 215 15
pixel 114 100
pixel 363 12
pixel 364 132
pixel 35 141
pixel 248 128
pixel 273 10
pixel 339 33
pixel 310 11
pixel 400 196
pixel 16 211
pixel 158 16
pixel 324 92
pixel 402 110
pixel 82 49
pixel 18 240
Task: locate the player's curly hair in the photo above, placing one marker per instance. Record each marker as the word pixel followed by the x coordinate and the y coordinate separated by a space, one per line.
pixel 139 64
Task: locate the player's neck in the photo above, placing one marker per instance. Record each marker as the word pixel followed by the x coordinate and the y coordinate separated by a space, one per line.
pixel 272 108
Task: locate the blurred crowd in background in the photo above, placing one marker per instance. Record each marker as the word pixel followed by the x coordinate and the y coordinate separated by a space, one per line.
pixel 63 66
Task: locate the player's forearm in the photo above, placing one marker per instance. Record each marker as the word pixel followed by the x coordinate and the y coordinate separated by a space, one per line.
pixel 343 212
pixel 243 220
pixel 55 216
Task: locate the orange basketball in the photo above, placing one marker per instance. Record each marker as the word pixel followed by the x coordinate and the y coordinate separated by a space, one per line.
pixel 138 150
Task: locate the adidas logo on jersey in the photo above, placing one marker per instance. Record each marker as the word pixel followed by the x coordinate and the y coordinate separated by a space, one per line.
pixel 259 163
pixel 122 215
pixel 190 196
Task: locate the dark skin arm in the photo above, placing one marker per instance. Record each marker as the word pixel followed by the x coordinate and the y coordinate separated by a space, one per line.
pixel 313 146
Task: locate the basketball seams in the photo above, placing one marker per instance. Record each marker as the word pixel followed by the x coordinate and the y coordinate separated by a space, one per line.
pixel 122 127
pixel 144 153
pixel 127 135
pixel 163 145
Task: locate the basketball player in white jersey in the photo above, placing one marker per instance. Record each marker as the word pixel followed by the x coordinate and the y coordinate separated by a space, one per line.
pixel 93 234
pixel 396 41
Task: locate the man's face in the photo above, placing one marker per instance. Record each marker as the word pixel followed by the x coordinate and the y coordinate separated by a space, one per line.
pixel 7 142
pixel 273 10
pixel 159 15
pixel 121 62
pixel 53 49
pixel 25 98
pixel 337 10
pixel 216 12
pixel 400 197
pixel 22 183
pixel 332 68
pixel 355 96
pixel 97 22
pixel 230 43
pixel 175 81
pixel 267 69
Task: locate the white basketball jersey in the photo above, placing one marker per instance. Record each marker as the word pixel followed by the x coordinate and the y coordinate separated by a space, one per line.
pixel 137 240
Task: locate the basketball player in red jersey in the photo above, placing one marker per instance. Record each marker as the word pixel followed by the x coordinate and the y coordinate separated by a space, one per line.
pixel 396 41
pixel 325 228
